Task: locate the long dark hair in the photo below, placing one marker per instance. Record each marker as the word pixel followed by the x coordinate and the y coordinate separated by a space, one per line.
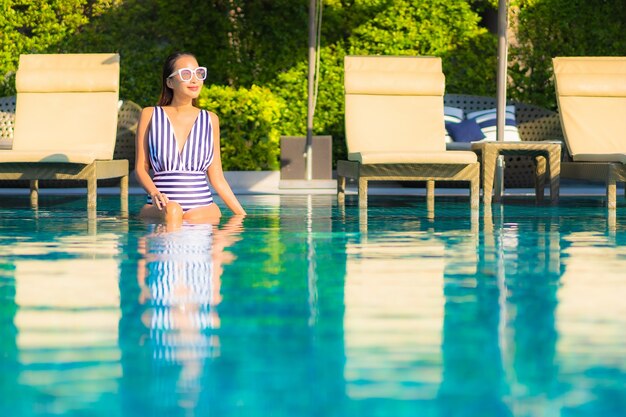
pixel 167 94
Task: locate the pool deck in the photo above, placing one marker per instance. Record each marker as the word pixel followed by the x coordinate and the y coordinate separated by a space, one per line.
pixel 268 182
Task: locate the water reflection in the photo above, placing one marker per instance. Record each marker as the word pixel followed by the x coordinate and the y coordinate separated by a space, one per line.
pixel 524 256
pixel 179 280
pixel 395 301
pixel 558 295
pixel 59 315
pixel 591 318
pixel 493 323
pixel 282 350
pixel 307 313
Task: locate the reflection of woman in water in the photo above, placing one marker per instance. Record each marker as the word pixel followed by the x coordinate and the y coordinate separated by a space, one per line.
pixel 179 277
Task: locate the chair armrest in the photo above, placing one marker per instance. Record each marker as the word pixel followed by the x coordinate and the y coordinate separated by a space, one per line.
pixel 458 146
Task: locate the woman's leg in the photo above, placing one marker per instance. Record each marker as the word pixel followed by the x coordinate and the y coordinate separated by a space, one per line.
pixel 172 213
pixel 204 214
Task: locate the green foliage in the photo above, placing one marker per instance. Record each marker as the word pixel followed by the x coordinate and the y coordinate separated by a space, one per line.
pixel 400 27
pixel 263 42
pixel 408 27
pixel 291 86
pixel 250 43
pixel 249 122
pixel 550 28
pixel 240 42
pixel 444 28
pixel 31 27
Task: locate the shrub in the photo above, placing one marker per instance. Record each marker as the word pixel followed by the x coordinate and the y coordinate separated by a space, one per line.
pixel 291 86
pixel 28 27
pixel 249 124
pixel 550 28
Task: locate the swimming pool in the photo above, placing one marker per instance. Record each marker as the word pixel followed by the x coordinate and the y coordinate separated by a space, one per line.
pixel 307 309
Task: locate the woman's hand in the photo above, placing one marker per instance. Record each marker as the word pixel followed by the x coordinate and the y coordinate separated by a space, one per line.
pixel 159 199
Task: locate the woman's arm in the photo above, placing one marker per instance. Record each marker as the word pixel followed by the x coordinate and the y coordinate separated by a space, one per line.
pixel 142 159
pixel 216 174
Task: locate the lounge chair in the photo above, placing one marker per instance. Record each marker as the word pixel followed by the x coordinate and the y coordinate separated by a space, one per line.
pixel 66 123
pixel 395 126
pixel 591 95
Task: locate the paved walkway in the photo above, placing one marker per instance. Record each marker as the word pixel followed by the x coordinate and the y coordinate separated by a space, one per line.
pixel 268 182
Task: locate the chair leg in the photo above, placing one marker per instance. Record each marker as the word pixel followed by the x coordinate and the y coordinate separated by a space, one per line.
pixel 34 193
pixel 363 193
pixel 475 192
pixel 540 177
pixel 430 199
pixel 430 192
pixel 124 194
pixel 341 189
pixel 611 190
pixel 92 193
pixel 488 171
pixel 554 169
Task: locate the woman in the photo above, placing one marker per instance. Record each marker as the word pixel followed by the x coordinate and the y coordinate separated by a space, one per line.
pixel 181 143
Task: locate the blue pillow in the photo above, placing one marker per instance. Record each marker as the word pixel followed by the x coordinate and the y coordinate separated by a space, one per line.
pixel 465 131
pixel 486 119
pixel 452 115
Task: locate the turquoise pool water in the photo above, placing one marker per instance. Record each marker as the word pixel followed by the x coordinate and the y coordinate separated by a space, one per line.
pixel 305 309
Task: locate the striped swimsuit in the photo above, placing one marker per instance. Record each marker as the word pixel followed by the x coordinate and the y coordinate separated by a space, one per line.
pixel 181 176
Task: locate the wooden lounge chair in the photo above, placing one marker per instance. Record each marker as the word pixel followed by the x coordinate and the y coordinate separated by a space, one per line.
pixel 395 126
pixel 591 95
pixel 66 123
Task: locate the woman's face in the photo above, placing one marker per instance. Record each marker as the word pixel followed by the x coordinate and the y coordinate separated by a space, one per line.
pixel 190 88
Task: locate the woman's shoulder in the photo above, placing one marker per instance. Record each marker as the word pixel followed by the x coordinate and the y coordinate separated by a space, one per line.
pixel 147 112
pixel 211 114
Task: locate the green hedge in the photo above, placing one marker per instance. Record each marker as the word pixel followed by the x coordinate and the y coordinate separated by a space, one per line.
pixel 35 27
pixel 249 120
pixel 550 28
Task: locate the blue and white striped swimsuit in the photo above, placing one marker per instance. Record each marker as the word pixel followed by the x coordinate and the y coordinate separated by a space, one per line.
pixel 181 176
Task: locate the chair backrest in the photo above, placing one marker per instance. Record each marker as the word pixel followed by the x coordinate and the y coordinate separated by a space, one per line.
pixel 394 104
pixel 67 103
pixel 591 95
pixel 127 121
pixel 7 121
pixel 534 123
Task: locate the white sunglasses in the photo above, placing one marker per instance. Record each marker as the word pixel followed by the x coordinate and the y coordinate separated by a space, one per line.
pixel 185 74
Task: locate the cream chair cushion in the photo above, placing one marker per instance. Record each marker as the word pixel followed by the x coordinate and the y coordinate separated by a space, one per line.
pixel 445 157
pixel 591 93
pixel 394 110
pixel 66 108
